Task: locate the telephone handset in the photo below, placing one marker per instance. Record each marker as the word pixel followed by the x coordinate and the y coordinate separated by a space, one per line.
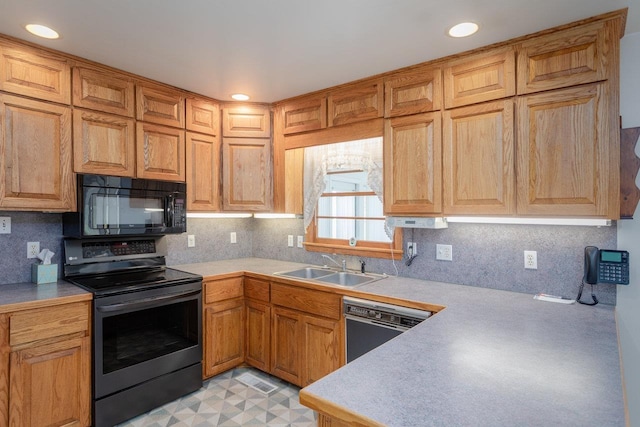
pixel 606 266
pixel 603 266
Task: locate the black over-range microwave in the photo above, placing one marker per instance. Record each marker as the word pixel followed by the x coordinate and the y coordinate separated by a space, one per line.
pixel 111 205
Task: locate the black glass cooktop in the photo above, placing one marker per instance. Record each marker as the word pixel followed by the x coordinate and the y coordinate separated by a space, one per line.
pixel 133 280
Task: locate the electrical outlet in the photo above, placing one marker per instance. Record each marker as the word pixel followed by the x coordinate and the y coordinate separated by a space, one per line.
pixel 33 249
pixel 444 252
pixel 412 249
pixel 531 260
pixel 191 240
pixel 5 225
pixel 290 240
pixel 300 240
pixel 232 237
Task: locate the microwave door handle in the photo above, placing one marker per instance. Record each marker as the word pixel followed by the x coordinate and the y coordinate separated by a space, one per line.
pixel 168 211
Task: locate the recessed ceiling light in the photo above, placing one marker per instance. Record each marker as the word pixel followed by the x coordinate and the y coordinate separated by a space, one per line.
pixel 463 29
pixel 240 97
pixel 42 31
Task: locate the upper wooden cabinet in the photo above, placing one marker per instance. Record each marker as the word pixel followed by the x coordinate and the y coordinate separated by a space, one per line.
pixel 414 91
pixel 160 152
pixel 478 173
pixel 568 153
pixel 203 116
pixel 305 115
pixel 412 165
pixel 38 75
pixel 246 121
pixel 294 181
pixel 35 156
pixel 564 59
pixel 160 105
pixel 246 174
pixel 103 91
pixel 480 77
pixel 103 144
pixel 356 103
pixel 203 172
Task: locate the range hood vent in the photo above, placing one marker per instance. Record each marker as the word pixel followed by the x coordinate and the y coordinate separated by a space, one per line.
pixel 417 222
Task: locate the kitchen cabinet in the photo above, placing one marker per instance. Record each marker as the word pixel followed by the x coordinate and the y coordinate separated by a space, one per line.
pixel 203 116
pixel 223 332
pixel 567 153
pixel 36 171
pixel 307 335
pixel 103 144
pixel 48 364
pixel 480 77
pixel 203 172
pixel 415 91
pixel 304 115
pixel 258 318
pixel 246 174
pixel 565 58
pixel 246 121
pixel 103 91
pixel 160 152
pixel 35 73
pixel 294 181
pixel 160 105
pixel 478 173
pixel 413 165
pixel 356 103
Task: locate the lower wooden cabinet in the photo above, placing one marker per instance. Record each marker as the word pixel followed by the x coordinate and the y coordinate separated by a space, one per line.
pixel 286 345
pixel 45 375
pixel 323 347
pixel 224 336
pixel 258 334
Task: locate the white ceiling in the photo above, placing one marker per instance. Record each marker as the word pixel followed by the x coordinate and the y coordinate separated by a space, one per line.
pixel 276 49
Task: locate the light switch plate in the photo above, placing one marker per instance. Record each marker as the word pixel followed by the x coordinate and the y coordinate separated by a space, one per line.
pixel 300 240
pixel 232 237
pixel 290 240
pixel 191 240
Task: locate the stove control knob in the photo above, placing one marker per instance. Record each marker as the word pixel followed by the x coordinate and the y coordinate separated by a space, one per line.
pixel 378 315
pixel 372 313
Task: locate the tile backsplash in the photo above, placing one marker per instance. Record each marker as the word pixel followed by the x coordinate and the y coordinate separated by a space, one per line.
pixel 485 255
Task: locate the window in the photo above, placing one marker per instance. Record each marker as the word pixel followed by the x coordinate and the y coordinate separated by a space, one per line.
pixel 343 200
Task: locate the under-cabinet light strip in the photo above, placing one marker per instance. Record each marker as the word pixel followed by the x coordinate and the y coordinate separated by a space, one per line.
pixel 532 221
pixel 217 215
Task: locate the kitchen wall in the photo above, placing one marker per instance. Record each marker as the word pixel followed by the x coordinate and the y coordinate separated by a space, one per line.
pixel 629 235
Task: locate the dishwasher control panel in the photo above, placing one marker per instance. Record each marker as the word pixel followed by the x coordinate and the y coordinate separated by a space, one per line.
pixel 391 315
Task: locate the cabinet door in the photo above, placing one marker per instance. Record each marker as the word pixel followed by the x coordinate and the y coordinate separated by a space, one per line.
pixel 304 115
pixel 51 384
pixel 324 350
pixel 246 122
pixel 412 92
pixel 103 91
pixel 35 156
pixel 478 78
pixel 160 105
pixel 35 74
pixel 160 152
pixel 246 174
pixel 223 336
pixel 412 165
pixel 203 172
pixel 203 116
pixel 567 154
pixel 356 103
pixel 479 160
pixel 258 332
pixel 287 345
pixel 563 59
pixel 294 181
pixel 103 144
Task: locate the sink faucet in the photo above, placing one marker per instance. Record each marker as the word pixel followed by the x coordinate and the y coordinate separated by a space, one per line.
pixel 344 262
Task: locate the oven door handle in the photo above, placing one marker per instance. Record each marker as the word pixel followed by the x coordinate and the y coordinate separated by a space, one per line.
pixel 145 302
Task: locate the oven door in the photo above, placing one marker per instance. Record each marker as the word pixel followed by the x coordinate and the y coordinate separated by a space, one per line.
pixel 142 335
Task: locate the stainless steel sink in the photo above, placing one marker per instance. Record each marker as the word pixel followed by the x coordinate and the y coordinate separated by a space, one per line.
pixel 306 273
pixel 347 279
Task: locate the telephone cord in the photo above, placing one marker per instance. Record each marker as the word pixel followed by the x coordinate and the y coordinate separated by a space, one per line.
pixel 593 295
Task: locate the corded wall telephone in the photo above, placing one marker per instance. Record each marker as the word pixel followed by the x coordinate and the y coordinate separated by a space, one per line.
pixel 603 266
pixel 606 266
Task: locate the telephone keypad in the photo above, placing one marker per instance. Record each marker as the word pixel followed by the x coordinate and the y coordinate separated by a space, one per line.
pixel 613 273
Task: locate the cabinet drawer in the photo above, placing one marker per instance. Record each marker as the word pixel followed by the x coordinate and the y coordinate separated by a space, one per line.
pixel 220 290
pixel 307 300
pixel 256 289
pixel 33 325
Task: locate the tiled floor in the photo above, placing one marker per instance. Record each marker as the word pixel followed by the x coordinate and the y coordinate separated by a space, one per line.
pixel 226 402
